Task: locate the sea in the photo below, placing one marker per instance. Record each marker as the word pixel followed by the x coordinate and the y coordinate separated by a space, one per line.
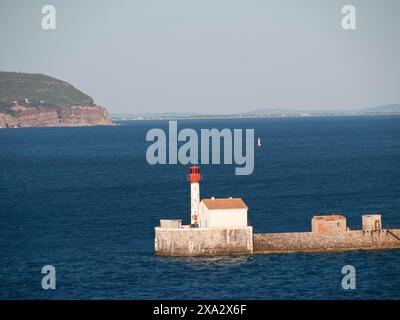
pixel 86 201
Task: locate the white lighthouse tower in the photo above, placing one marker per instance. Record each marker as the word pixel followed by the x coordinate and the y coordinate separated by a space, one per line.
pixel 194 179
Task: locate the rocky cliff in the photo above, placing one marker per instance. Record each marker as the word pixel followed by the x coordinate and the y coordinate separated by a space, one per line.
pixel 43 116
pixel 34 100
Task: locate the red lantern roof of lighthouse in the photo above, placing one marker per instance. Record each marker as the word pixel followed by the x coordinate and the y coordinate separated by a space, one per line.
pixel 194 174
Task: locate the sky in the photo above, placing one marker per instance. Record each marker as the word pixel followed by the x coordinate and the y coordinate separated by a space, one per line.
pixel 210 56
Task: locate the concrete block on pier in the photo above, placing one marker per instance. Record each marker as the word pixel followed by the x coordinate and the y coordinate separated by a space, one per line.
pixel 203 241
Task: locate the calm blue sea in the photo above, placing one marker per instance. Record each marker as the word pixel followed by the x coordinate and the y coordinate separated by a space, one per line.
pixel 86 201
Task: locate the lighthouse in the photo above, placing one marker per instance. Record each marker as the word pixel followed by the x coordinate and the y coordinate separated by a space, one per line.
pixel 217 226
pixel 194 179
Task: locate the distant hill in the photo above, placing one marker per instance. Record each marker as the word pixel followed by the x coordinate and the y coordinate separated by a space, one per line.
pixel 39 89
pixel 388 108
pixel 30 100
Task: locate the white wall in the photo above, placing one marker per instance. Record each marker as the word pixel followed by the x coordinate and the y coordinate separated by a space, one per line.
pixel 221 218
pixel 372 222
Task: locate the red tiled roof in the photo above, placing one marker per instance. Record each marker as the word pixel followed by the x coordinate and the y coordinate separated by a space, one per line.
pixel 225 203
pixel 329 217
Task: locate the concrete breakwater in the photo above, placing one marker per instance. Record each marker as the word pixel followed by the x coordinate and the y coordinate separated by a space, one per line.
pixel 207 242
pixel 323 242
pixel 201 241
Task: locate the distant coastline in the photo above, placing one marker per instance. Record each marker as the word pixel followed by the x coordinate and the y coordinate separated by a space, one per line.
pixel 387 110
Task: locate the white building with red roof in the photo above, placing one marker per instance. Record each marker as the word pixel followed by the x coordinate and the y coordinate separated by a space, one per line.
pixel 222 213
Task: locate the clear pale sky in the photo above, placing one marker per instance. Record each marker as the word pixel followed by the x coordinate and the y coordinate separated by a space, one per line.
pixel 211 56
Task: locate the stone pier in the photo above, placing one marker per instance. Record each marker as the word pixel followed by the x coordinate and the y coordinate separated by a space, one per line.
pixel 325 242
pixel 185 241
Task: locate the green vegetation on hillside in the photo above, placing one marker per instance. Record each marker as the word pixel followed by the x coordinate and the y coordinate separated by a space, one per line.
pixel 38 89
